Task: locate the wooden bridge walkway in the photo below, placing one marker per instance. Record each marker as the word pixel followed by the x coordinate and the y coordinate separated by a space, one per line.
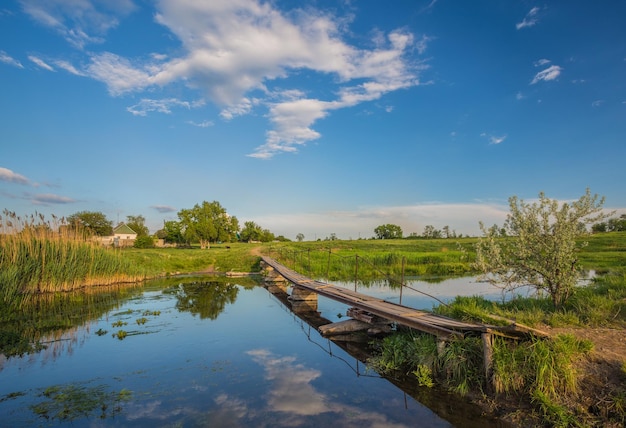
pixel 441 326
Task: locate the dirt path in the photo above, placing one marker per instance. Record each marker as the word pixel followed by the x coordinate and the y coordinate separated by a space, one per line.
pixel 256 251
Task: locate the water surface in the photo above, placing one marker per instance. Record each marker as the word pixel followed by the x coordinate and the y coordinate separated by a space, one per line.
pixel 201 352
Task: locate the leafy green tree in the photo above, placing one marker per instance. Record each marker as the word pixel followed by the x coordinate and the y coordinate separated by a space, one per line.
pixel 172 232
pixel 617 224
pixel 388 231
pixel 138 224
pixel 251 232
pixel 541 245
pixel 206 223
pixel 300 237
pixel 93 221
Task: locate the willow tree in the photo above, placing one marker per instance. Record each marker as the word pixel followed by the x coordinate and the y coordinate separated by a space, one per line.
pixel 540 246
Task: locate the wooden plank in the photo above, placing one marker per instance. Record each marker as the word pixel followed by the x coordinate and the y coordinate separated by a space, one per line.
pixel 410 317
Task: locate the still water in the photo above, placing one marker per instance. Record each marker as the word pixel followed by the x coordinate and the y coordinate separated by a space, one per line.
pixel 205 352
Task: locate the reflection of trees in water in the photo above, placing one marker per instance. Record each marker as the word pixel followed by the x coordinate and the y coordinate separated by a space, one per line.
pixel 51 320
pixel 205 298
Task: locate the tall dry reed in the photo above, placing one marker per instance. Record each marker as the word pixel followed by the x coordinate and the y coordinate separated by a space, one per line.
pixel 40 256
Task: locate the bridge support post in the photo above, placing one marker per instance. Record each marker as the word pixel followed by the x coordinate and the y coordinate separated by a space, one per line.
pixel 303 300
pixel 274 281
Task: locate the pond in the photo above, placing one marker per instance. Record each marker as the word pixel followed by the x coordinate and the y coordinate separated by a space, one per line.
pixel 206 351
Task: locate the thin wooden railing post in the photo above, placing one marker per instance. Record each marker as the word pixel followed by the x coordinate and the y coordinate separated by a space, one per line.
pixel 402 283
pixel 356 271
pixel 328 265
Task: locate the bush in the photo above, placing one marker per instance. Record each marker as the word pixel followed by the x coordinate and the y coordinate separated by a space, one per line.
pixel 144 242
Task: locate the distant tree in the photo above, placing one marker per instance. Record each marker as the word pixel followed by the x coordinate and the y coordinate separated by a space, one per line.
pixel 388 231
pixel 599 227
pixel 617 224
pixel 93 221
pixel 171 232
pixel 431 233
pixel 138 224
pixel 299 237
pixel 208 222
pixel 253 232
pixel 541 246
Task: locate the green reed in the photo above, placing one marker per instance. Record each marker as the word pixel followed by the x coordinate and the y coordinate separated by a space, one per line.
pixel 39 256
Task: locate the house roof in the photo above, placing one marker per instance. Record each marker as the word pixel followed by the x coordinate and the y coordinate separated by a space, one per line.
pixel 123 229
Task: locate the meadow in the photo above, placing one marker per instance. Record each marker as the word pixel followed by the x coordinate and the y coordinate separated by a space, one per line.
pixel 38 258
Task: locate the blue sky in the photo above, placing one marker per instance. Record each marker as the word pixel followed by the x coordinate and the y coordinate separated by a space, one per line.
pixel 334 117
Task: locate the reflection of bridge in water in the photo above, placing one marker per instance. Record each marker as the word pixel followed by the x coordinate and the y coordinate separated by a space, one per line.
pixel 303 305
pixel 367 311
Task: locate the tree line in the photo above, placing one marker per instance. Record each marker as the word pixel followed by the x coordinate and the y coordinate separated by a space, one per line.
pixel 205 223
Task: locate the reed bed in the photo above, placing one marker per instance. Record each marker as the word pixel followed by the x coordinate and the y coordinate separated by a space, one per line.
pixel 39 256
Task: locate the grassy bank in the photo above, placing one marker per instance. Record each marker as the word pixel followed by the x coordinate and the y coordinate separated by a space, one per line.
pixel 220 258
pixel 548 382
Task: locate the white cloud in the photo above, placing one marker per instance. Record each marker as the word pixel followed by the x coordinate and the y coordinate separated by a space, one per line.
pixel 529 20
pixel 68 67
pixel 497 140
pixel 243 107
pixel 5 58
pixel 232 49
pixel 118 73
pixel 12 177
pixel 79 21
pixel 550 73
pixel 40 63
pixel 519 96
pixel 161 106
pixel 493 139
pixel 597 103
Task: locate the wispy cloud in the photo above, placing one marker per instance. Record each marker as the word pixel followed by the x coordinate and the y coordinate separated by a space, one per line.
pixel 5 58
pixel 12 177
pixel 40 63
pixel 68 67
pixel 542 62
pixel 147 105
pixel 597 103
pixel 119 74
pixel 529 20
pixel 163 208
pixel 203 124
pixel 494 139
pixel 550 73
pixel 51 199
pixel 80 22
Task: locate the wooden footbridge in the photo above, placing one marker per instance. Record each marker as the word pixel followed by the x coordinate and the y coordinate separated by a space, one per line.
pixel 368 309
pixel 371 310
